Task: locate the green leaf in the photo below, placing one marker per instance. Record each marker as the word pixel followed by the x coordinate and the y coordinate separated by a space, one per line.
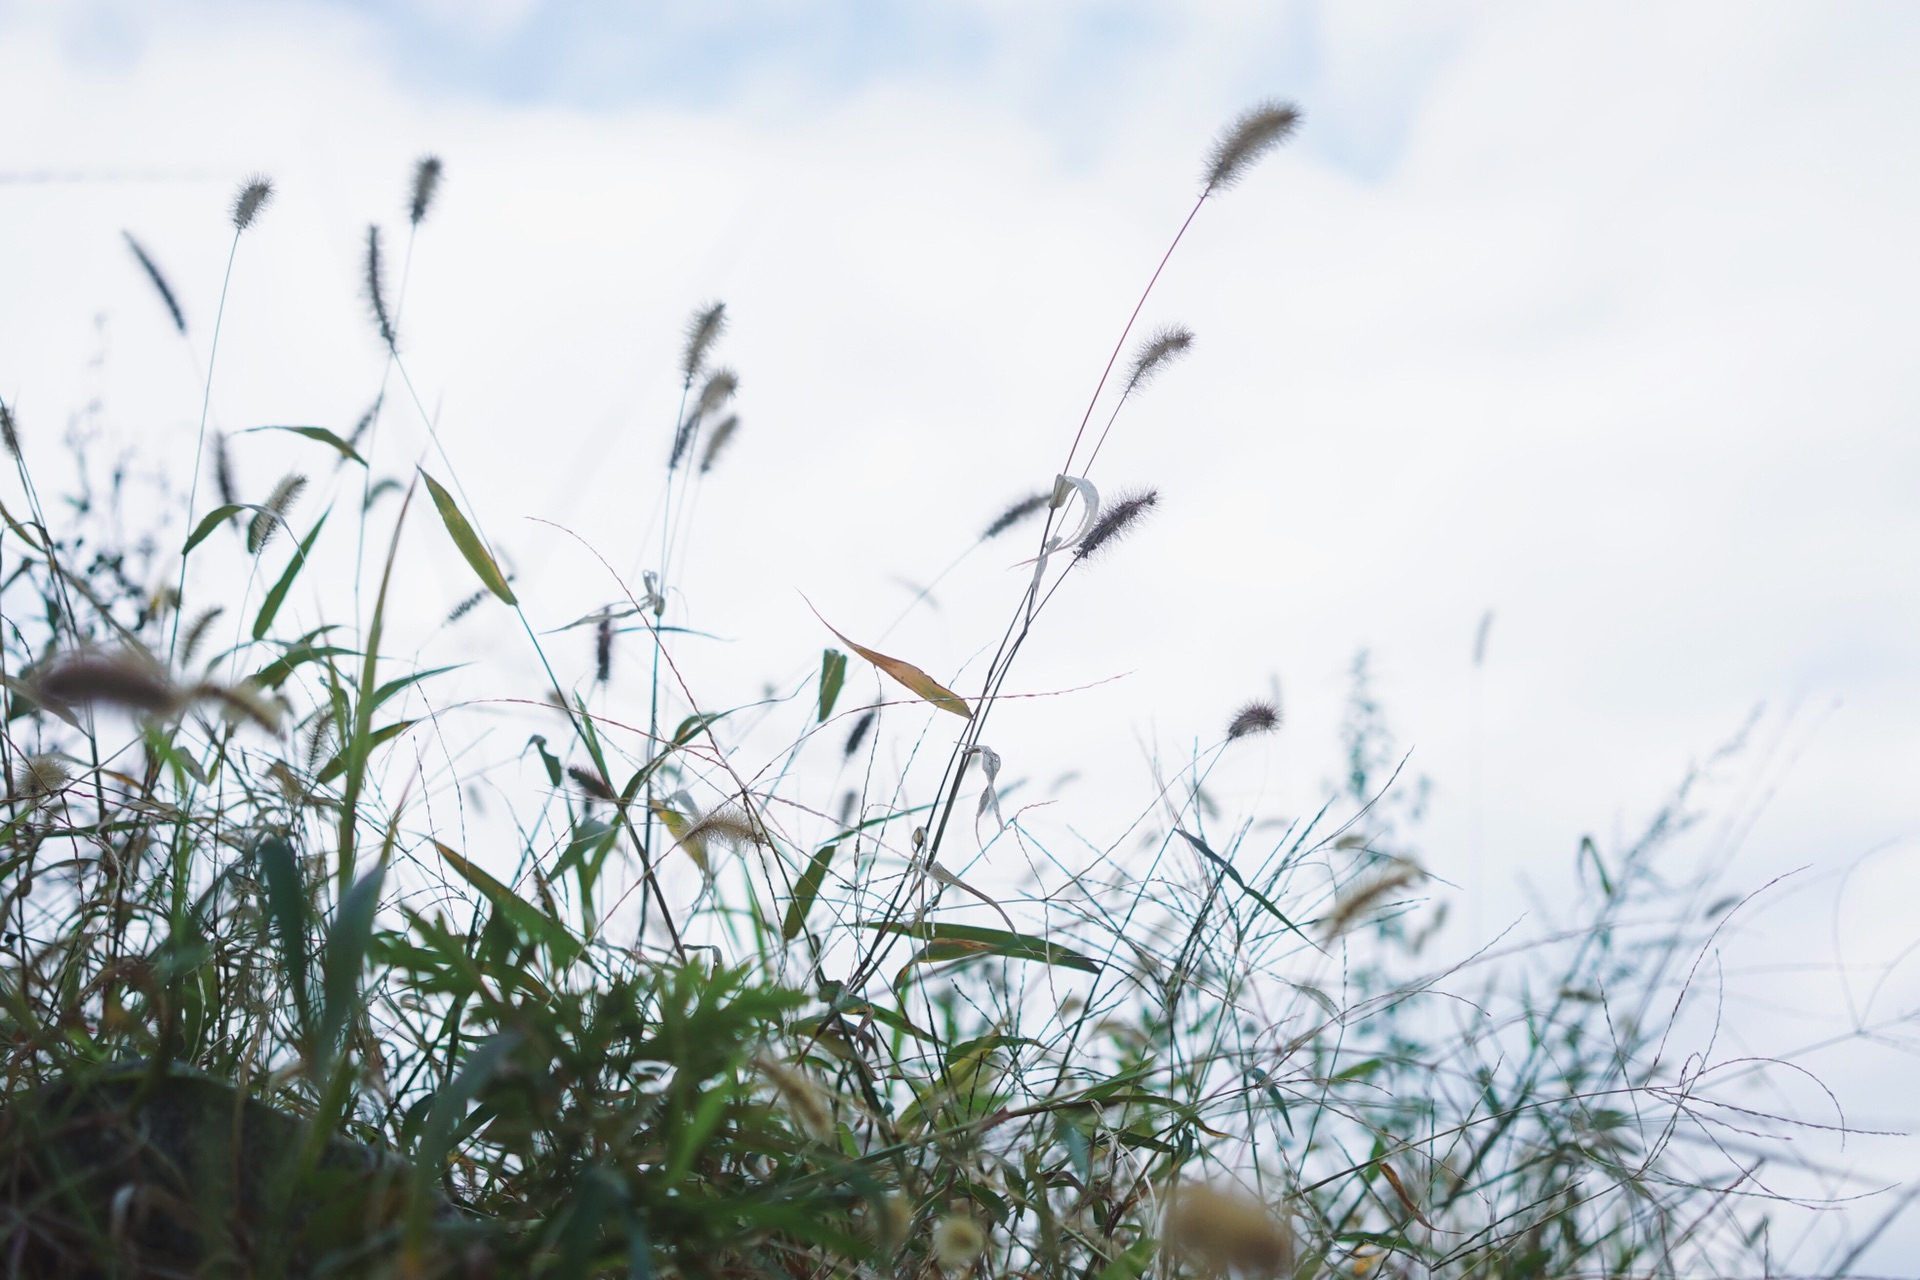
pixel 385 733
pixel 468 541
pixel 278 595
pixel 287 914
pixel 804 893
pixel 957 940
pixel 213 520
pixel 529 919
pixel 346 956
pixel 1200 846
pixel 321 434
pixel 833 674
pixel 692 726
pixel 449 1108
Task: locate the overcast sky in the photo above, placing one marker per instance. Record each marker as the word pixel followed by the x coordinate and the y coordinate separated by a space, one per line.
pixel 1598 317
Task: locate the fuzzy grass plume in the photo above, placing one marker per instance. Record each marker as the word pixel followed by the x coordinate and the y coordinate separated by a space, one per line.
pixel 717 440
pixel 160 284
pixel 1118 518
pixel 1259 716
pixel 1250 137
pixel 426 184
pixel 376 287
pixel 273 512
pixel 254 195
pixel 9 431
pixel 1014 514
pixel 703 330
pixel 1156 353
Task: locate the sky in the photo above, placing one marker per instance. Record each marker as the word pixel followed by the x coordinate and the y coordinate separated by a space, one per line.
pixel 1597 319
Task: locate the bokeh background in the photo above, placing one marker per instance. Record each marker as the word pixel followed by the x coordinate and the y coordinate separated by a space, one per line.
pixel 1596 320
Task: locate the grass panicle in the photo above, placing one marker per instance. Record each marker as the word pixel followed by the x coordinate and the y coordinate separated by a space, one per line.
pixel 717 440
pixel 1262 715
pixel 1251 136
pixel 1118 518
pixel 122 678
pixel 1014 514
pixel 9 431
pixel 223 472
pixel 255 194
pixel 703 330
pixel 603 649
pixel 159 281
pixel 273 512
pixel 1156 353
pixel 376 287
pixel 426 185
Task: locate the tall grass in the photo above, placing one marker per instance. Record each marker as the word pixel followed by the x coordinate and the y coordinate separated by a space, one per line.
pixel 712 1011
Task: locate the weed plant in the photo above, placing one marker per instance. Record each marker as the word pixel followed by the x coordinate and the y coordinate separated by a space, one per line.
pixel 694 1007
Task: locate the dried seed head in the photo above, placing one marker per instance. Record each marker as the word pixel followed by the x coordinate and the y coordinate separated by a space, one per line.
pixel 810 1105
pixel 122 678
pixel 1400 873
pixel 1014 514
pixel 1164 347
pixel 957 1240
pixel 376 292
pixel 426 184
pixel 703 330
pixel 159 282
pixel 9 433
pixel 196 632
pixel 252 197
pixel 366 420
pixel 1116 521
pixel 465 607
pixel 1250 137
pixel 1258 716
pixel 603 649
pixel 243 701
pixel 859 734
pixel 590 783
pixel 41 776
pixel 727 823
pixel 719 389
pixel 223 471
pixel 717 440
pixel 896 1219
pixel 319 738
pixel 1222 1231
pixel 273 512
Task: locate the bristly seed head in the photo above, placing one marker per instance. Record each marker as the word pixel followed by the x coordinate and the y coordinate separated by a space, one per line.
pixel 1258 716
pixel 1400 873
pixel 1013 515
pixel 466 606
pixel 717 440
pixel 274 512
pixel 957 1240
pixel 1221 1231
pixel 9 433
pixel 252 197
pixel 1116 521
pixel 159 282
pixel 40 776
pixel 1250 137
pixel 719 389
pixel 196 632
pixel 859 734
pixel 223 471
pixel 123 678
pixel 703 330
pixel 1156 353
pixel 603 649
pixel 376 294
pixel 590 783
pixel 426 183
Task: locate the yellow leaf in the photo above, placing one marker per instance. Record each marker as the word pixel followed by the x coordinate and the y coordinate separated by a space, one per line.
pixel 907 674
pixel 683 835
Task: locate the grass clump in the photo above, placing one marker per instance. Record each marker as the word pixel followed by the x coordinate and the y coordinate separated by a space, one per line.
pixel 695 1007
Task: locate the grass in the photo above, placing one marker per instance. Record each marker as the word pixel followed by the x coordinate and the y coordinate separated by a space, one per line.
pixel 682 1002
